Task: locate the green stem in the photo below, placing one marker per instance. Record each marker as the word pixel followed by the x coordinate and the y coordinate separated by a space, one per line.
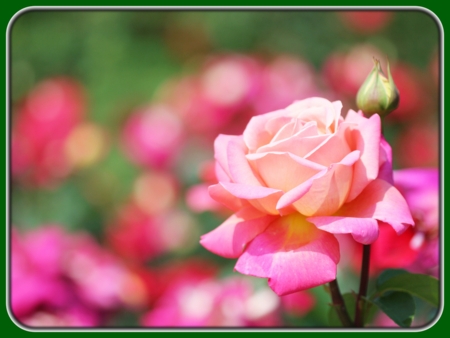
pixel 363 284
pixel 339 304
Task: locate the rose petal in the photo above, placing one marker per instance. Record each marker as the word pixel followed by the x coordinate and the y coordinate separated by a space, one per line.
pixel 221 195
pixel 275 124
pixel 293 254
pixel 255 134
pixel 385 171
pixel 283 171
pixel 262 198
pixel 332 149
pixel 239 168
pixel 221 153
pixel 355 117
pixel 221 174
pixel 367 140
pixel 231 237
pixel 317 109
pixel 363 230
pixel 381 201
pixel 299 144
pixel 298 192
pixel 328 191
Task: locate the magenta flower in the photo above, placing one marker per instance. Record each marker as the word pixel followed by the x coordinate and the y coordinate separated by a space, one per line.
pixel 153 136
pixel 43 122
pixel 59 279
pixel 295 177
pixel 200 302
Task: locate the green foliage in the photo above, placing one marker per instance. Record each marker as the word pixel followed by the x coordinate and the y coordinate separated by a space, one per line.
pixel 418 285
pixel 395 290
pixel 399 306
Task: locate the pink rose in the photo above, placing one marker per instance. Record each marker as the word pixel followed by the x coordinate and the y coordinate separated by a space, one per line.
pixel 295 176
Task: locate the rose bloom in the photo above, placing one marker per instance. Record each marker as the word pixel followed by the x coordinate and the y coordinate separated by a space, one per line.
pixel 295 177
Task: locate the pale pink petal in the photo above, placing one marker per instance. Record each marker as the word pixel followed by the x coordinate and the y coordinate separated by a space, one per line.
pixel 262 198
pixel 366 138
pixel 256 134
pixel 332 149
pixel 293 254
pixel 221 174
pixel 363 230
pixel 299 144
pixel 329 191
pixel 317 109
pixel 239 168
pixel 354 117
pixel 274 124
pixel 221 153
pixel 381 201
pixel 221 195
pixel 231 237
pixel 283 171
pixel 298 192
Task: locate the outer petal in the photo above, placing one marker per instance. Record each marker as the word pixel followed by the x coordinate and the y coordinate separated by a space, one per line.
pixel 363 230
pixel 262 198
pixel 231 237
pixel 379 201
pixel 365 138
pixel 221 195
pixel 239 168
pixel 221 154
pixel 385 172
pixel 293 254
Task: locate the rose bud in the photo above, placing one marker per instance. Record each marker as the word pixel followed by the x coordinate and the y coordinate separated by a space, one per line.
pixel 378 94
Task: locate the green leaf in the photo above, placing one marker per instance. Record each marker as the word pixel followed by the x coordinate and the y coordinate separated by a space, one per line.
pixel 399 306
pixel 418 285
pixel 388 274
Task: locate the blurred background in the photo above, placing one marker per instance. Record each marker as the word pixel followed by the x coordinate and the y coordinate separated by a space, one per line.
pixel 113 117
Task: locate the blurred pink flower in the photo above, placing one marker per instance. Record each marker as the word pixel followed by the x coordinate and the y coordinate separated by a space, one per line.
pixel 298 303
pixel 295 177
pixel 283 81
pixel 41 124
pixel 138 236
pixel 345 72
pixel 218 97
pixel 211 302
pixel 62 279
pixel 153 136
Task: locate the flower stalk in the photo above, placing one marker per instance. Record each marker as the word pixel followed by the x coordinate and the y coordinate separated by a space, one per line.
pixel 363 284
pixel 339 304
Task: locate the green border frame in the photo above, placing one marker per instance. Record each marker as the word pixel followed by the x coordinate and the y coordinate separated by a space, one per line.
pixel 9 11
